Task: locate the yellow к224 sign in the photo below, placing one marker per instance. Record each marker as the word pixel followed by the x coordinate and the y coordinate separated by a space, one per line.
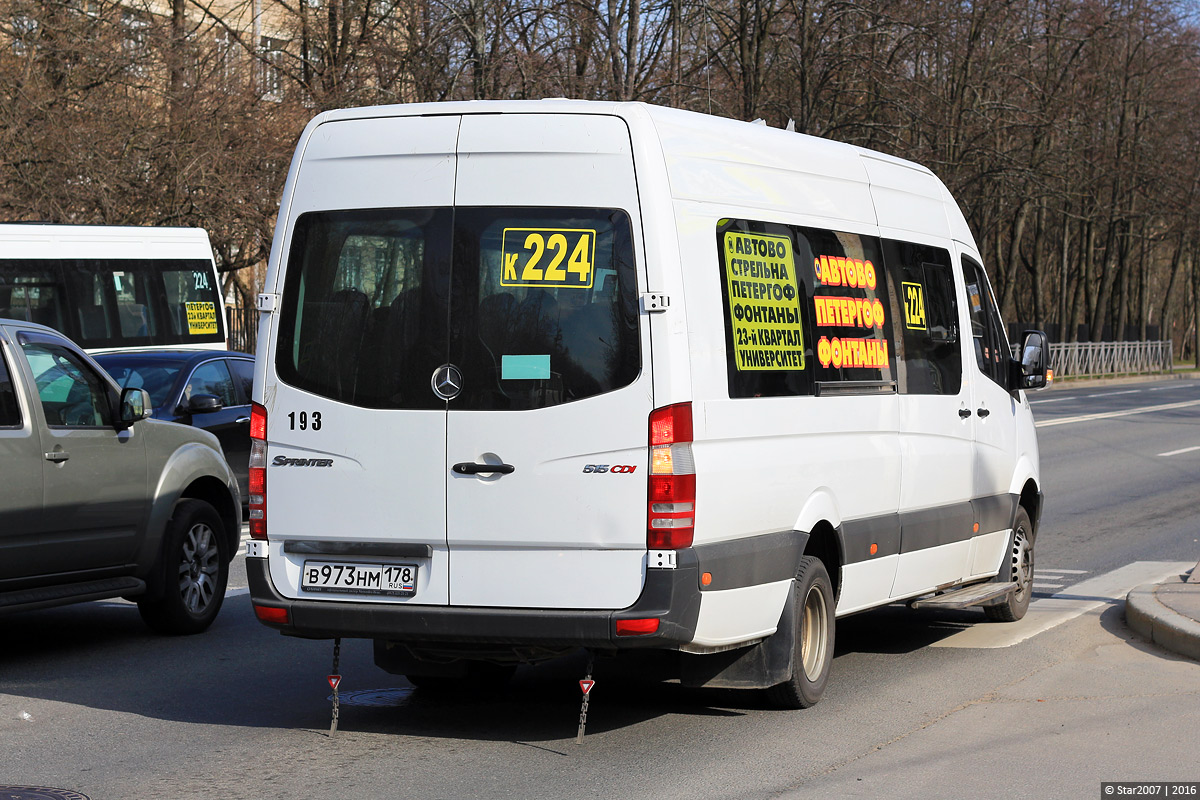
pixel 914 306
pixel 548 257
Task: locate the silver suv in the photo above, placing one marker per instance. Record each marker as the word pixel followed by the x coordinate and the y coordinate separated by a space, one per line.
pixel 98 501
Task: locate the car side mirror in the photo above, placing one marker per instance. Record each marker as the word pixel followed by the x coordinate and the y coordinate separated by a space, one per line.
pixel 135 405
pixel 1032 371
pixel 204 404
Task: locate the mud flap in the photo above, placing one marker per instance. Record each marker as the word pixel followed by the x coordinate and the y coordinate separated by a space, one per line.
pixel 759 666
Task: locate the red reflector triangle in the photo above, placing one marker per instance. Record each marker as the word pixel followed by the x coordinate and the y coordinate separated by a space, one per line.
pixel 586 685
pixel 334 680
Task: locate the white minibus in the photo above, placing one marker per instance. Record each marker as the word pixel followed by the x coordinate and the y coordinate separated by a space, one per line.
pixel 549 375
pixel 109 287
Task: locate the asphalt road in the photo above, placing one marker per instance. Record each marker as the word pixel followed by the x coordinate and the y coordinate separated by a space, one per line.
pixel 90 702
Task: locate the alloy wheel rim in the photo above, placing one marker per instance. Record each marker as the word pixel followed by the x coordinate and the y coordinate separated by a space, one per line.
pixel 198 568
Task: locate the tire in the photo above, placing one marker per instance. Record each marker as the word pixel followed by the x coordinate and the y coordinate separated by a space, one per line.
pixel 1017 566
pixel 812 611
pixel 195 569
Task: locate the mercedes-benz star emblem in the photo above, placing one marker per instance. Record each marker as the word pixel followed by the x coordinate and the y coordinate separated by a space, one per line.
pixel 447 382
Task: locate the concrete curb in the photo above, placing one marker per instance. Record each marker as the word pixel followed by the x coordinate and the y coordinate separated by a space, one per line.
pixel 1164 626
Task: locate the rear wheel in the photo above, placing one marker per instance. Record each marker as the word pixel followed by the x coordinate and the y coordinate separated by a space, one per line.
pixel 195 571
pixel 812 611
pixel 1017 567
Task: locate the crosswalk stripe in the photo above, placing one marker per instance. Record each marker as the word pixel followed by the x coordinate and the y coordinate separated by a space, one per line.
pixel 1048 612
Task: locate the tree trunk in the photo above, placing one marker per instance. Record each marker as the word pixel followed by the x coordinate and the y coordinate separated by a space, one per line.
pixel 1107 278
pixel 1014 254
pixel 1064 260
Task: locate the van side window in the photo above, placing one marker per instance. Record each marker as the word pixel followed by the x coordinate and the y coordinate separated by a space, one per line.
pixel 806 311
pixel 765 286
pixel 987 332
pixel 10 412
pixel 115 302
pixel 929 351
pixel 30 294
pixel 851 312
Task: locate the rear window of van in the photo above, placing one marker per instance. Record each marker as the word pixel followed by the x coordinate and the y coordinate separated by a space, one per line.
pixel 534 306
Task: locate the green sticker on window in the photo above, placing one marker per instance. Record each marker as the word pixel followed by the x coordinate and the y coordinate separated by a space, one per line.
pixel 525 368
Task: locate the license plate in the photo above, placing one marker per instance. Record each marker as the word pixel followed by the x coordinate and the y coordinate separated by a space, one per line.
pixel 395 580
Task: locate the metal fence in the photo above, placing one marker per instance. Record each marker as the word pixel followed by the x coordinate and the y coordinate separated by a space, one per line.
pixel 242 325
pixel 1090 359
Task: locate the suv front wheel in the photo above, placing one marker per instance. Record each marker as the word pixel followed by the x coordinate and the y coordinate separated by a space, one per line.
pixel 195 571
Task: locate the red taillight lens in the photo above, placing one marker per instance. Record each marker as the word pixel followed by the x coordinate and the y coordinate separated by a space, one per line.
pixel 258 422
pixel 671 424
pixel 268 614
pixel 671 493
pixel 258 472
pixel 636 627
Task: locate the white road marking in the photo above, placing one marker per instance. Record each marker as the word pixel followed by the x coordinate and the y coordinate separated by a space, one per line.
pixel 1180 452
pixel 1110 414
pixel 1114 394
pixel 1050 571
pixel 1048 612
pixel 1055 400
pixel 118 602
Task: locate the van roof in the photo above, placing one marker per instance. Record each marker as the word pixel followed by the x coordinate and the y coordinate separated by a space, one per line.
pixel 750 165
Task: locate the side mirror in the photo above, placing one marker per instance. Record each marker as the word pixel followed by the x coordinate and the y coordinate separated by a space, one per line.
pixel 1034 366
pixel 204 404
pixel 940 334
pixel 135 405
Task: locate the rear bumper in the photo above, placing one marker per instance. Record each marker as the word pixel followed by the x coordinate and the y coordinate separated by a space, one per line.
pixel 671 596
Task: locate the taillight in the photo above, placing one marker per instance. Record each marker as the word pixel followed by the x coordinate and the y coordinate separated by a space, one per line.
pixel 637 627
pixel 670 521
pixel 270 614
pixel 258 472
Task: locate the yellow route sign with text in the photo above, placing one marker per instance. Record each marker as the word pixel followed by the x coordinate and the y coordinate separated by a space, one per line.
pixel 764 303
pixel 201 318
pixel 548 257
pixel 914 306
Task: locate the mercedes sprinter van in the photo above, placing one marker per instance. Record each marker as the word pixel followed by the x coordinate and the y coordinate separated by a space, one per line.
pixel 549 375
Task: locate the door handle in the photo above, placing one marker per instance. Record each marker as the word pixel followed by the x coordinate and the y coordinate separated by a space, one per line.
pixel 983 412
pixel 471 468
pixel 964 412
pixel 241 420
pixel 58 456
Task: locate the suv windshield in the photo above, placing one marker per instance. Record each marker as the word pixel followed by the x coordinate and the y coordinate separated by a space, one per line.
pixel 535 307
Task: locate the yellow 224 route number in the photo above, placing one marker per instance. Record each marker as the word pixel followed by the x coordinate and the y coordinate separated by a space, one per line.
pixel 548 257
